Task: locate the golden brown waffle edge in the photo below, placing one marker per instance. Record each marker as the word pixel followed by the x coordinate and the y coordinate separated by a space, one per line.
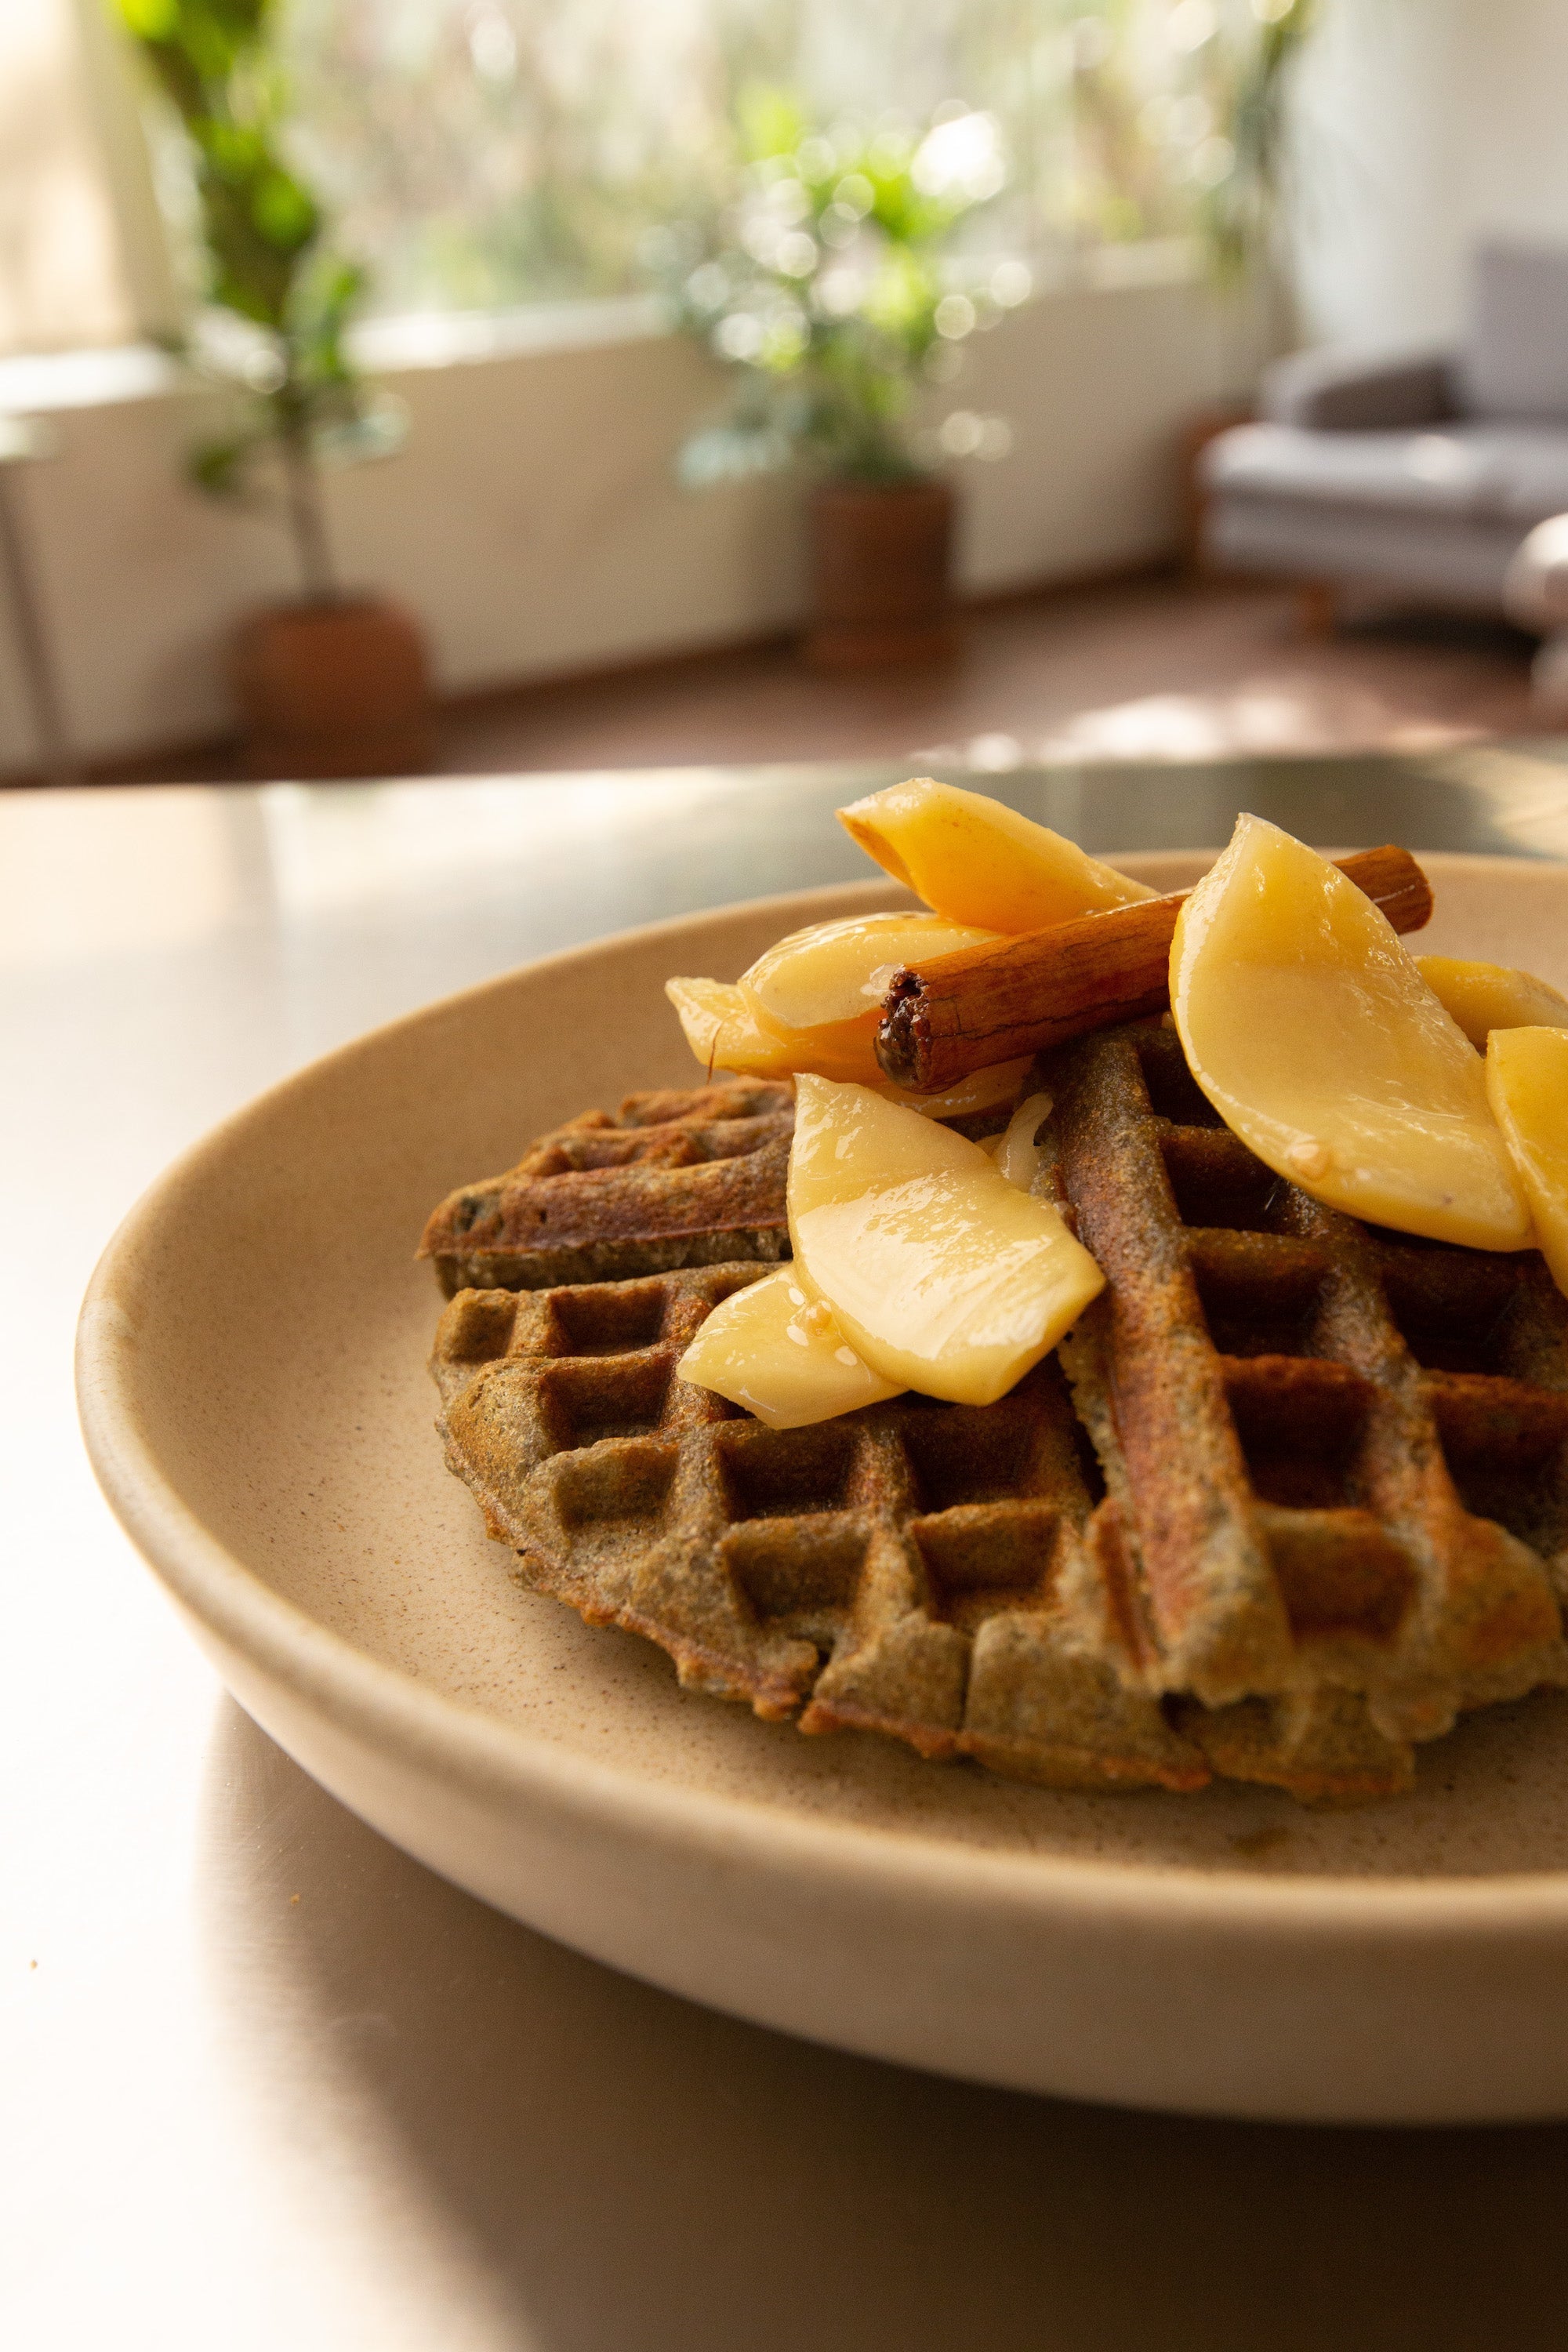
pixel 676 1178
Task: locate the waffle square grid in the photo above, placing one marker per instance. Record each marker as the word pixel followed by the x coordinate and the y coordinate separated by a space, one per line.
pixel 1337 1457
pixel 916 1568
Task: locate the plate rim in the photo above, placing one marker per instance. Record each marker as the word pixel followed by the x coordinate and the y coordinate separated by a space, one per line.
pixel 407 1718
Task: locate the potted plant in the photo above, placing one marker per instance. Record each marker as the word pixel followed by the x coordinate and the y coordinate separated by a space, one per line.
pixel 829 290
pixel 329 682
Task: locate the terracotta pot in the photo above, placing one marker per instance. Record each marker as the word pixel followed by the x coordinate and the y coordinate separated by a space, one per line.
pixel 339 689
pixel 881 563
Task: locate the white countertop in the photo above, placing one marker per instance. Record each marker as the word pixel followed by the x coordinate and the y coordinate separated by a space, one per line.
pixel 268 2082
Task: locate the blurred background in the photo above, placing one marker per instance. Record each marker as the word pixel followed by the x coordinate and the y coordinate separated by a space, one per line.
pixel 389 386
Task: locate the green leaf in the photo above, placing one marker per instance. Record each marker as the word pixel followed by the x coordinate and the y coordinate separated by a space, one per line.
pixel 282 211
pixel 215 466
pixel 234 154
pixel 342 285
pixel 261 222
pixel 770 121
pixel 150 20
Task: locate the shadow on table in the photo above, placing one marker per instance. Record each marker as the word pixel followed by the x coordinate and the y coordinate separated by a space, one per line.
pixel 631 2173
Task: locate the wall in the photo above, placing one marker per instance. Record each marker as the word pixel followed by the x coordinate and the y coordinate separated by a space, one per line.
pixel 535 524
pixel 1423 125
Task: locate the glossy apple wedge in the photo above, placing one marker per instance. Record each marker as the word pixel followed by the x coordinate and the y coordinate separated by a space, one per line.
pixel 1483 997
pixel 725 1034
pixel 979 861
pixel 1527 1086
pixel 777 1348
pixel 981 1090
pixel 943 1276
pixel 832 972
pixel 1018 1154
pixel 1318 1042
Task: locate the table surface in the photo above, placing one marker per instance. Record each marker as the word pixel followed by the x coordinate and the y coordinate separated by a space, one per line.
pixel 268 2081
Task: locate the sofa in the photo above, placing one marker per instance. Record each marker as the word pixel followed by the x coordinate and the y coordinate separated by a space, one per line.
pixel 1422 475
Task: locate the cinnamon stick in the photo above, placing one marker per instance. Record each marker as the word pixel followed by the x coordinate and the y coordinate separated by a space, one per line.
pixel 956 1013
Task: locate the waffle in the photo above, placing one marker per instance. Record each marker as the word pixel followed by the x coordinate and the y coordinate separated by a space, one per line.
pixel 1336 1457
pixel 673 1180
pixel 915 1568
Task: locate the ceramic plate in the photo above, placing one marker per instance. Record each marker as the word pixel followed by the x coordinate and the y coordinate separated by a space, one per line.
pixel 254 1393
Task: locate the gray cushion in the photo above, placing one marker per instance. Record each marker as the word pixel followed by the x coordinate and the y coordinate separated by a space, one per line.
pixel 1516 359
pixel 1355 392
pixel 1516 474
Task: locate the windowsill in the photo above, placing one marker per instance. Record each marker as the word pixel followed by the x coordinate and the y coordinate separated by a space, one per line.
pixel 86 379
pixel 425 339
pixel 436 339
pixel 129 372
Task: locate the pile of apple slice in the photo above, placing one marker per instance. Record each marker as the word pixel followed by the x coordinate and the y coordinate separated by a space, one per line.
pixel 813 1001
pixel 922 1260
pixel 1350 1066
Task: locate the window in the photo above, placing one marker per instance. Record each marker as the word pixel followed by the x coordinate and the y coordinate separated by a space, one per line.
pixel 484 154
pixel 60 276
pixel 491 153
pixel 82 258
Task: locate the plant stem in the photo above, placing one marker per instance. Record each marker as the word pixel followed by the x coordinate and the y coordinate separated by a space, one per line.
pixel 308 520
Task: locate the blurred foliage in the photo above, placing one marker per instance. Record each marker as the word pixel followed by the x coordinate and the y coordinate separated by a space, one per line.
pixel 289 297
pixel 828 287
pixel 1248 67
pixel 498 151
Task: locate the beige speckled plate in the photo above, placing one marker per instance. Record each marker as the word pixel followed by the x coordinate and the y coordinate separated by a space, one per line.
pixel 253 1389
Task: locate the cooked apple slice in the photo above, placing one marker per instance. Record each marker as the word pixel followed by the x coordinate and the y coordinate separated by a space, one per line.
pixel 777 1348
pixel 982 1090
pixel 978 862
pixel 942 1275
pixel 1527 1086
pixel 1483 997
pixel 1316 1039
pixel 724 1034
pixel 1018 1154
pixel 832 972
